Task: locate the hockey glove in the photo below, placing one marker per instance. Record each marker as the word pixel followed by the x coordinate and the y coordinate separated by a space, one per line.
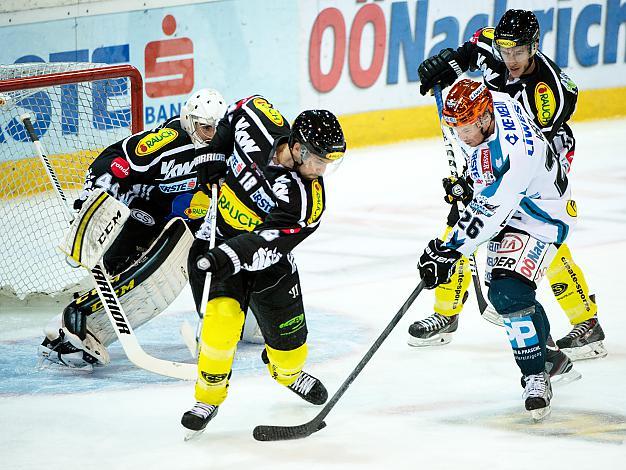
pixel 217 262
pixel 442 69
pixel 436 265
pixel 211 167
pixel 457 189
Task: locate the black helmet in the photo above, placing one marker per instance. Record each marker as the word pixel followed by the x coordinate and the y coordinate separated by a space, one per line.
pixel 516 28
pixel 319 132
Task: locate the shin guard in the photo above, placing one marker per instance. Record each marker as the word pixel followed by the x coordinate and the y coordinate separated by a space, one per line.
pixel 570 287
pixel 221 330
pixel 525 322
pixel 285 366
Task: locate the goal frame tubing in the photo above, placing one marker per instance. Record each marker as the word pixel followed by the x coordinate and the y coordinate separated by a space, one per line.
pixel 88 75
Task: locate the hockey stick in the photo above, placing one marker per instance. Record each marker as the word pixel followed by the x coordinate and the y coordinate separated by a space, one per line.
pixel 110 302
pixel 193 342
pixel 283 433
pixel 483 306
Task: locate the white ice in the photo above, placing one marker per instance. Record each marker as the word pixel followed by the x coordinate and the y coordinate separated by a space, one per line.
pixel 456 406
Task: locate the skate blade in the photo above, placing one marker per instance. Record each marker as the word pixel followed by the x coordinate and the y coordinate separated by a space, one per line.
pixel 540 413
pixel 590 351
pixel 192 435
pixel 564 379
pixel 437 340
pixel 493 317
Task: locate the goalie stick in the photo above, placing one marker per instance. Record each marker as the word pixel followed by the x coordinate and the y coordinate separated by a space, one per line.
pixel 485 311
pixel 110 302
pixel 283 433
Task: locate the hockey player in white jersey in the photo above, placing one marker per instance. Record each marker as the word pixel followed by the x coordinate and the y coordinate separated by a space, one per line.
pixel 521 206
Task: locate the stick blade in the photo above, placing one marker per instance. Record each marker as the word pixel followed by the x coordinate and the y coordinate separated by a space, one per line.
pixel 286 433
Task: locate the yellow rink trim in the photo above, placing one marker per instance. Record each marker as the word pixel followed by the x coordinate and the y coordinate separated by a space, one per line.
pixel 28 176
pixel 394 125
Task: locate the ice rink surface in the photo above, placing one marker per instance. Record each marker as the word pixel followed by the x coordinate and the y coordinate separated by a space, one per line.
pixel 456 406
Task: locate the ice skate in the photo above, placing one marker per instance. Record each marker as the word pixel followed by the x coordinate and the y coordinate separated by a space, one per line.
pixel 310 389
pixel 435 330
pixel 559 366
pixel 537 395
pixel 196 419
pixel 584 341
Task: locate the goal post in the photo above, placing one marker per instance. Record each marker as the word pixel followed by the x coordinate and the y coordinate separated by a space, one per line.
pixel 77 109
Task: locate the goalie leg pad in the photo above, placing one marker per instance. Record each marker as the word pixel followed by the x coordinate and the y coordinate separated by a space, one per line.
pixel 285 366
pixel 147 287
pixel 570 287
pixel 64 346
pixel 221 330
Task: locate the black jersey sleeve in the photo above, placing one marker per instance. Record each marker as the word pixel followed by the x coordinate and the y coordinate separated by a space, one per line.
pixel 473 53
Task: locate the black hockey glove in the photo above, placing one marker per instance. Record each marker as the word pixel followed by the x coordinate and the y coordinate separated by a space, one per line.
pixel 216 262
pixel 457 189
pixel 436 265
pixel 211 167
pixel 442 69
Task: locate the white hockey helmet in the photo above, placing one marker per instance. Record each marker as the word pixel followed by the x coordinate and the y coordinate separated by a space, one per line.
pixel 206 107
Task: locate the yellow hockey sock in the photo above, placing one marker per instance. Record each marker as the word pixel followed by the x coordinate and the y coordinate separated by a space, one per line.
pixel 450 297
pixel 285 366
pixel 570 287
pixel 221 330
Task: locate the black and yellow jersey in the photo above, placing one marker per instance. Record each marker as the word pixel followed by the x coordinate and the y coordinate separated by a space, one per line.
pixel 264 209
pixel 153 173
pixel 547 94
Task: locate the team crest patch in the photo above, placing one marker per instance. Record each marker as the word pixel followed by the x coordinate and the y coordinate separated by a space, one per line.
pixel 266 108
pixel 488 32
pixel 317 201
pixel 571 208
pixel 545 103
pixel 155 141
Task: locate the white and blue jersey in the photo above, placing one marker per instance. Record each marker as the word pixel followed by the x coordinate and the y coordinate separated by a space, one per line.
pixel 517 182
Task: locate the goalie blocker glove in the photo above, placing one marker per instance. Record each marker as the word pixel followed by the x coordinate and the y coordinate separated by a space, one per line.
pixel 457 189
pixel 441 69
pixel 436 265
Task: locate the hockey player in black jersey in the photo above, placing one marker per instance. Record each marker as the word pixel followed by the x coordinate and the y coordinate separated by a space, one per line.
pixel 510 62
pixel 271 198
pixel 153 173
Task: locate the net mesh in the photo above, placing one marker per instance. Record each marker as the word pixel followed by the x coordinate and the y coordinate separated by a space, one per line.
pixel 74 122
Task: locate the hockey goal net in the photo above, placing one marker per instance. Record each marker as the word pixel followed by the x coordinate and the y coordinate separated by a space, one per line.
pixel 77 109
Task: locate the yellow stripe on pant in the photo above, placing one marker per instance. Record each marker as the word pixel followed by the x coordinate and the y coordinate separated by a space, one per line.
pixel 570 287
pixel 221 330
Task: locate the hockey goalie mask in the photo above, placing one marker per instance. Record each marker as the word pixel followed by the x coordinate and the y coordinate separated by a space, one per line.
pixel 200 114
pixel 321 139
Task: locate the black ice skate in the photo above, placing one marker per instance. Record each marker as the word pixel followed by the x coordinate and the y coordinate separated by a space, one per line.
pixel 196 419
pixel 559 366
pixel 309 388
pixel 584 341
pixel 435 330
pixel 537 395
